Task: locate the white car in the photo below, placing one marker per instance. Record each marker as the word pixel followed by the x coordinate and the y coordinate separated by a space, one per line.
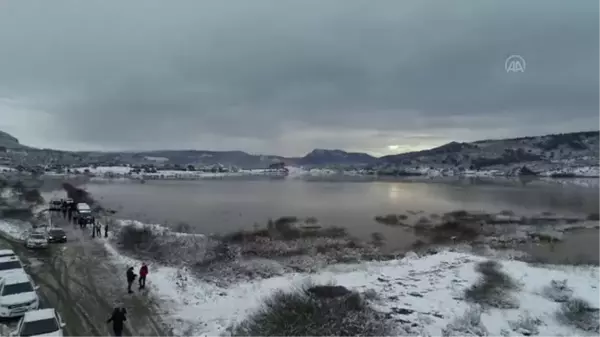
pixel 37 239
pixel 7 253
pixel 17 295
pixel 43 322
pixel 10 265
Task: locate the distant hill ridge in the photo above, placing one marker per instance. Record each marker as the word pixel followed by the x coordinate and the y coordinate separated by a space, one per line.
pixel 8 141
pixel 479 153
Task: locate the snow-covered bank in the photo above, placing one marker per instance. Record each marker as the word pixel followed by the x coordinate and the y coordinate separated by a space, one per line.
pixel 549 171
pixel 14 230
pixel 125 172
pixel 4 168
pixel 423 294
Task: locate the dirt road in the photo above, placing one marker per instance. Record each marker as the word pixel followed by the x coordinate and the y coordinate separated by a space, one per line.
pixel 79 280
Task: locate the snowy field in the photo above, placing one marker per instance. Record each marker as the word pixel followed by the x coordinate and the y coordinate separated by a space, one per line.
pixel 424 295
pixel 424 291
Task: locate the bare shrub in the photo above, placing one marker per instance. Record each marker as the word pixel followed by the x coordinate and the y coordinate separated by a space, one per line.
pixel 526 325
pixel 392 220
pixel 32 196
pixel 456 226
pixel 557 291
pixel 262 252
pixel 315 310
pixel 182 227
pixel 377 239
pixel 469 324
pixel 22 213
pixel 593 216
pixel 285 228
pixel 148 243
pixel 579 313
pixel 493 287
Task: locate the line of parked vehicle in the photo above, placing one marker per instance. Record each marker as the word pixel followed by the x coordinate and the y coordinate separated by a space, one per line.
pixel 19 298
pixel 41 236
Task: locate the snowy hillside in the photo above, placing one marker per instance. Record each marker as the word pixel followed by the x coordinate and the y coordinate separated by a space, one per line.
pixel 571 148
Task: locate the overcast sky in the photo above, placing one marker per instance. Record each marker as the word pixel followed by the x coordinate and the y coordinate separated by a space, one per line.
pixel 285 77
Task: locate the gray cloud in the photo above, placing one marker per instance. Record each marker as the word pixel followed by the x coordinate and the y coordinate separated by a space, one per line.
pixel 288 76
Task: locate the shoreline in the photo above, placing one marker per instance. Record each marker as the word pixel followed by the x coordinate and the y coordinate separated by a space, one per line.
pixel 431 302
pixel 549 171
pixel 419 290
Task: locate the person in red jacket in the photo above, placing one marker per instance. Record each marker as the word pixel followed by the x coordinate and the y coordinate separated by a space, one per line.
pixel 143 274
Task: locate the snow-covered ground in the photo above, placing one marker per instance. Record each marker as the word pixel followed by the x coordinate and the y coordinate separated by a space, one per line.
pixel 4 168
pixel 14 230
pixel 427 290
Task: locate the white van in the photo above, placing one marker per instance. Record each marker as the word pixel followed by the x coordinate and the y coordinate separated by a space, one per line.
pixel 83 208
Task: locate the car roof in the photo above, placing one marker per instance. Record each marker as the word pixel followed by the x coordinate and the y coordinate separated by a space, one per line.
pixel 8 259
pixel 38 315
pixel 7 251
pixel 17 277
pixel 55 229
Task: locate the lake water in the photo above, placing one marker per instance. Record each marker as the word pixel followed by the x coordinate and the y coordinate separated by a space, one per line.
pixel 217 206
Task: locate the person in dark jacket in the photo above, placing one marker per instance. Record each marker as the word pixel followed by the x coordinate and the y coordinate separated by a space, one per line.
pixel 63 208
pixel 98 228
pixel 69 213
pixel 118 318
pixel 105 229
pixel 143 274
pixel 130 278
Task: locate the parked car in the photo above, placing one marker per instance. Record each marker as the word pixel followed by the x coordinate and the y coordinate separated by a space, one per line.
pixel 56 234
pixel 55 205
pixel 9 265
pixel 43 322
pixel 7 253
pixel 17 295
pixel 83 208
pixel 36 239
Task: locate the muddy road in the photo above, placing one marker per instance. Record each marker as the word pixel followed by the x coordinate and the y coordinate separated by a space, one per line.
pixel 79 280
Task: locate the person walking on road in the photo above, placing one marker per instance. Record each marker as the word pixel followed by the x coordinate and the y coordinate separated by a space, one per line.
pixel 130 278
pixel 63 208
pixel 105 229
pixel 98 228
pixel 69 212
pixel 143 274
pixel 118 318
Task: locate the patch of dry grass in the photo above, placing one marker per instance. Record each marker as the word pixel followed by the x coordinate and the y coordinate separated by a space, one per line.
pixel 315 310
pixel 493 289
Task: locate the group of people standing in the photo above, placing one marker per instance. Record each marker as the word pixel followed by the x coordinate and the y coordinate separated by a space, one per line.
pixel 69 210
pixel 131 276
